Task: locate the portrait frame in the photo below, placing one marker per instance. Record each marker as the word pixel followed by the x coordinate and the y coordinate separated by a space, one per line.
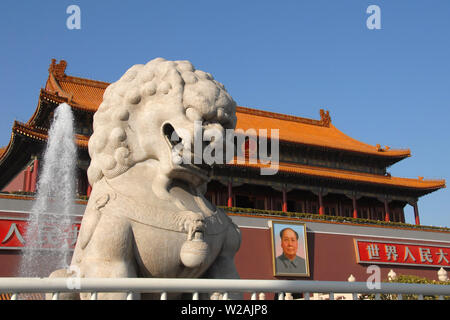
pixel 277 251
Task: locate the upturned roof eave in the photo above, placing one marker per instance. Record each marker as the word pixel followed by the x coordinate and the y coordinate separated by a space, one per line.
pixel 426 186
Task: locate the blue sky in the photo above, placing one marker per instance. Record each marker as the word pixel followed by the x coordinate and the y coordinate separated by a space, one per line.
pixel 388 86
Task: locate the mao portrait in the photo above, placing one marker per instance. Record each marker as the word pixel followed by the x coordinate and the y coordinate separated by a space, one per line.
pixel 290 250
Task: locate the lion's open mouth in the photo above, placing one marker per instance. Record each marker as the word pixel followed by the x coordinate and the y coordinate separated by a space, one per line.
pixel 181 153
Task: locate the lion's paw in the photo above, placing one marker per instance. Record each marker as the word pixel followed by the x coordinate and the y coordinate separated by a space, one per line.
pixel 189 222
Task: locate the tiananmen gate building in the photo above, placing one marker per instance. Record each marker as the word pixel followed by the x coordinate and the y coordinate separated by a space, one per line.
pixel 336 187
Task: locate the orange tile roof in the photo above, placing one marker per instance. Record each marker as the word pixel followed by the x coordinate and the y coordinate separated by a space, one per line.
pixel 5 296
pixel 309 132
pixel 57 99
pixel 85 93
pixel 88 94
pixel 419 183
pixel 42 134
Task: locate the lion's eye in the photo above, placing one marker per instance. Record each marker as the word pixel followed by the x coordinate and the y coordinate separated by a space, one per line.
pixel 171 134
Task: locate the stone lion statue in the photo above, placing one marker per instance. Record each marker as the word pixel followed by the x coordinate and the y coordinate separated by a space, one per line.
pixel 147 216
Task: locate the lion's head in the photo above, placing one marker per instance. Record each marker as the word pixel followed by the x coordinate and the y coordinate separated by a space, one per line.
pixel 140 113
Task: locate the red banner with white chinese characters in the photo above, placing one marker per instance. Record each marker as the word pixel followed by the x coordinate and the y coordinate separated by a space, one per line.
pixel 414 254
pixel 12 234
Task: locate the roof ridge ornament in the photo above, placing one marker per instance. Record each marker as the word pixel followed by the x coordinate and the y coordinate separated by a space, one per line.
pixel 325 118
pixel 58 69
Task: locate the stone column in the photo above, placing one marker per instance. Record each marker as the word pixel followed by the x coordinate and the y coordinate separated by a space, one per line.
pixel 230 194
pixel 34 175
pixel 284 208
pixel 416 213
pixel 321 208
pixel 26 178
pixel 354 196
pixel 355 208
pixel 386 210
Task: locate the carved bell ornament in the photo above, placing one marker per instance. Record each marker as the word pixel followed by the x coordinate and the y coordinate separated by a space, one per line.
pixel 194 252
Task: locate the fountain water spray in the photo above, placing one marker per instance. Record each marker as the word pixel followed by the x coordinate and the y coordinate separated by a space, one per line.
pixel 49 233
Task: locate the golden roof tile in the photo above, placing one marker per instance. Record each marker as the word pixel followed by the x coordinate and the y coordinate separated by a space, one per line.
pixel 347 175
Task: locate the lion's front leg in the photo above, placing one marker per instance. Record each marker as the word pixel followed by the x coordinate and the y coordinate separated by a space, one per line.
pixel 109 254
